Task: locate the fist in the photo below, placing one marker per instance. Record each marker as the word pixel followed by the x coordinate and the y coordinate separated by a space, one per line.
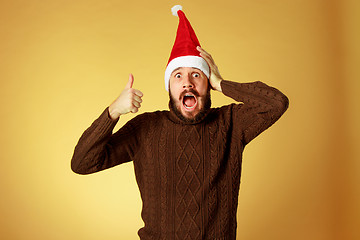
pixel 128 101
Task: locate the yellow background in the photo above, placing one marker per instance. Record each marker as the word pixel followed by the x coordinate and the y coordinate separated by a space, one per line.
pixel 63 62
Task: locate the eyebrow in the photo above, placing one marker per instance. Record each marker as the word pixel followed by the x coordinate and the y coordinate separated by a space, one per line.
pixel 176 69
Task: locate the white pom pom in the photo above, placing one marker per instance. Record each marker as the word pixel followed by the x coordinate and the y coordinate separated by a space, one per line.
pixel 175 9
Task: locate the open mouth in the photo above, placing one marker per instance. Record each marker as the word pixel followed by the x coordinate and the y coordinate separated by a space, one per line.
pixel 189 101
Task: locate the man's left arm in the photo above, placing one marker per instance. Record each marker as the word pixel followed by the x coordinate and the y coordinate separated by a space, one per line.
pixel 262 105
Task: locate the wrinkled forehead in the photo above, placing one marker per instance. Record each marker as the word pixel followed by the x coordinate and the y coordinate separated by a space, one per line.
pixel 186 68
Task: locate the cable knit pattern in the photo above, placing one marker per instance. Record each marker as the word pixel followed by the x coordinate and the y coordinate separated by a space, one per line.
pixel 189 178
pixel 214 162
pixel 188 174
pixel 163 181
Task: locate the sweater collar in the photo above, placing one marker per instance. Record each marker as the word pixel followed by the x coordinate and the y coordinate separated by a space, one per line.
pixel 174 118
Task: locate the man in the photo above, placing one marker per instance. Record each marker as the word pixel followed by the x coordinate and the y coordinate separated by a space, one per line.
pixel 187 160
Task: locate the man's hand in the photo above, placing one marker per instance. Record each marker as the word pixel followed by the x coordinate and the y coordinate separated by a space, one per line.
pixel 128 101
pixel 215 77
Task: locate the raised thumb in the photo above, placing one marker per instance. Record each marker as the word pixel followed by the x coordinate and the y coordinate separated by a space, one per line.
pixel 130 82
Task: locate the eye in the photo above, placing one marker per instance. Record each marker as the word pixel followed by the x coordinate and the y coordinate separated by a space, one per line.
pixel 196 75
pixel 178 75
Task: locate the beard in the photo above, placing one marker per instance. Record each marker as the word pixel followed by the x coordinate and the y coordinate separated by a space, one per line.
pixel 206 103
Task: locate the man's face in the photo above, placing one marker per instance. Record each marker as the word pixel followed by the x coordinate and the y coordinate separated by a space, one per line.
pixel 189 93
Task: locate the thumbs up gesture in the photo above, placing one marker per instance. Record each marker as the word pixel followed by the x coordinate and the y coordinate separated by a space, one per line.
pixel 128 101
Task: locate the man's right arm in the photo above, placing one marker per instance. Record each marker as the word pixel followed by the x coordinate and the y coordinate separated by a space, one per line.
pixel 98 148
pixel 95 151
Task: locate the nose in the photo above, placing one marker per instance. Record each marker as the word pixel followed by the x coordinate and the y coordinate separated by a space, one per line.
pixel 187 83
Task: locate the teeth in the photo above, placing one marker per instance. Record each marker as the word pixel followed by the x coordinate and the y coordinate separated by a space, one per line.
pixel 189 107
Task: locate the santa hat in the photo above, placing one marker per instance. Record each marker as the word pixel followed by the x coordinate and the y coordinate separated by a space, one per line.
pixel 184 53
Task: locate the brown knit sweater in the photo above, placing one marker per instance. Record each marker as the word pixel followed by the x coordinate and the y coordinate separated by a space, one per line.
pixel 188 174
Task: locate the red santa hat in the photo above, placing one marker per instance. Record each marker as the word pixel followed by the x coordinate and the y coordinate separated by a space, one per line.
pixel 184 53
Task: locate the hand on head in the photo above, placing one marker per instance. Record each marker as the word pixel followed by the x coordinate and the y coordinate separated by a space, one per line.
pixel 128 101
pixel 215 77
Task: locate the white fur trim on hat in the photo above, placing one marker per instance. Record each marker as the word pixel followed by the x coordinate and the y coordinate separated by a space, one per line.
pixel 186 61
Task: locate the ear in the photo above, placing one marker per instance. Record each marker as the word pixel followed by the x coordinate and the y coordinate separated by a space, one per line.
pixel 209 85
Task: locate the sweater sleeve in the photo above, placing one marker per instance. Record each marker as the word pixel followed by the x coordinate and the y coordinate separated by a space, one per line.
pixel 262 106
pixel 99 149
